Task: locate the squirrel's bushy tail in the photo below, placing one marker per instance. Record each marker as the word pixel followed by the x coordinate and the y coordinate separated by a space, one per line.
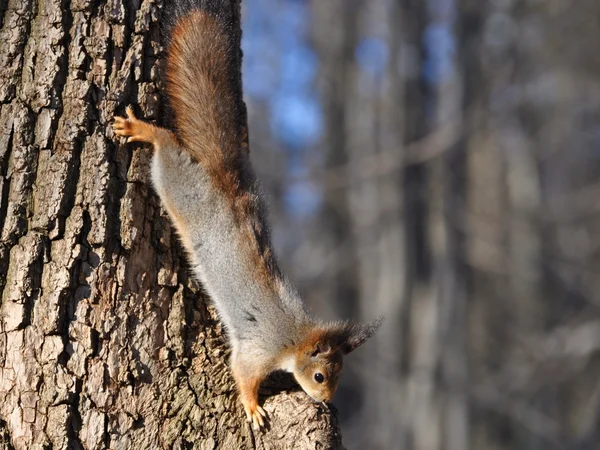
pixel 203 83
pixel 177 9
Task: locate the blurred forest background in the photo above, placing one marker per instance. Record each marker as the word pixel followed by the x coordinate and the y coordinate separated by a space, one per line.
pixel 437 161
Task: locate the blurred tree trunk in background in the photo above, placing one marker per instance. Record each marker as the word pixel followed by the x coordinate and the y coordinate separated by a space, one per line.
pixel 104 340
pixel 383 232
pixel 335 39
pixel 422 339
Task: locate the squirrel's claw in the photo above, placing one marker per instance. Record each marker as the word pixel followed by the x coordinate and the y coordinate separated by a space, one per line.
pixel 119 125
pixel 134 129
pixel 256 416
pixel 130 113
pixel 122 126
pixel 261 411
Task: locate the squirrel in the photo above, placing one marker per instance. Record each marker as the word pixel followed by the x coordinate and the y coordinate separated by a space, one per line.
pixel 202 173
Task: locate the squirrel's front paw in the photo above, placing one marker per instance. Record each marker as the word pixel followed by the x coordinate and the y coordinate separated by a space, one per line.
pixel 133 128
pixel 255 414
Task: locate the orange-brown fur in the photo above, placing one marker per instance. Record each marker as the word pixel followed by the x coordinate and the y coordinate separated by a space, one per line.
pixel 248 391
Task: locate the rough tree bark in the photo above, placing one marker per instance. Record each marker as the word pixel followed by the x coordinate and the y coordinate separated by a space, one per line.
pixel 105 342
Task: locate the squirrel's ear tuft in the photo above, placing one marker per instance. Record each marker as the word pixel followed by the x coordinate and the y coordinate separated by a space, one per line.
pixel 322 347
pixel 353 335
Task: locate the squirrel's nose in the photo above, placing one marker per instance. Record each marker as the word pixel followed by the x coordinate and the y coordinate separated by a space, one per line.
pixel 326 398
pixel 317 398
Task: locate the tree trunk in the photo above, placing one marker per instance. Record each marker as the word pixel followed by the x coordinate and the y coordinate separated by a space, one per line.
pixel 105 341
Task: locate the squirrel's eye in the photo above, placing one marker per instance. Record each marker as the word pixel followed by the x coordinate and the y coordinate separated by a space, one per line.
pixel 319 378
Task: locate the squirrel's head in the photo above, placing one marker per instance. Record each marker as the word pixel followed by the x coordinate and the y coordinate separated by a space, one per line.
pixel 319 359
